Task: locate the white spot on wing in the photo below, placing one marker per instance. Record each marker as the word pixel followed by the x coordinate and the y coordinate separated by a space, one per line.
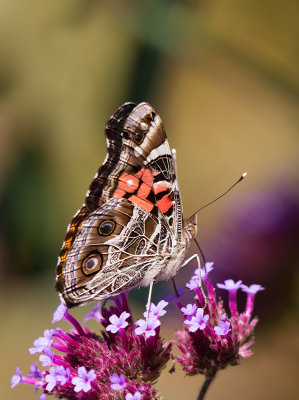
pixel 138 151
pixel 144 126
pixel 162 150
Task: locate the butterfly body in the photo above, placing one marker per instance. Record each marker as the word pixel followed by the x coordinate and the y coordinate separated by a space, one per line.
pixel 130 230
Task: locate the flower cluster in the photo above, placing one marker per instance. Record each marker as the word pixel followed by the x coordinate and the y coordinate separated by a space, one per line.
pixel 126 358
pixel 211 340
pixel 120 363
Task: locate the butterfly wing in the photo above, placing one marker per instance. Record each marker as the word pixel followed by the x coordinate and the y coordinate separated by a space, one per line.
pixel 131 224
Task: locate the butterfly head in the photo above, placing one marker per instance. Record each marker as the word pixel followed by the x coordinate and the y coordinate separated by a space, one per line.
pixel 190 228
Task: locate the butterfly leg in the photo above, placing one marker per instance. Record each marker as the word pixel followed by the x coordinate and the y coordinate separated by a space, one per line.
pixel 149 303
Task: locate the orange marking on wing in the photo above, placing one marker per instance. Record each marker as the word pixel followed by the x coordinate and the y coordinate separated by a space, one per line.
pixel 139 173
pixel 146 205
pixel 119 193
pixel 165 203
pixel 147 177
pixel 128 183
pixel 160 187
pixel 144 191
pixel 68 243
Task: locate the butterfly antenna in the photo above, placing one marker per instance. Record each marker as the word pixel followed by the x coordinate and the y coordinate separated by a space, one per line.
pixel 243 176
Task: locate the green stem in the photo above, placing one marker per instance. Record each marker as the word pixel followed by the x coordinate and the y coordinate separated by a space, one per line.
pixel 206 385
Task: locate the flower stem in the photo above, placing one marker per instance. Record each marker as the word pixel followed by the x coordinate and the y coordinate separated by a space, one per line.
pixel 205 386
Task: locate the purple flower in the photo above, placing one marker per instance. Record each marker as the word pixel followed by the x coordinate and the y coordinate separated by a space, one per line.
pixel 118 323
pixel 211 341
pixel 59 313
pixel 118 382
pixel 51 379
pixel 47 358
pixel 43 397
pixel 223 328
pixel 189 310
pixel 34 371
pixel 16 379
pixel 148 331
pixel 82 382
pixel 158 310
pixel 94 313
pixel 43 342
pixel 193 283
pixel 205 270
pixel 252 289
pixel 136 396
pixel 229 285
pixel 62 374
pixel 128 355
pixel 232 287
pixel 198 321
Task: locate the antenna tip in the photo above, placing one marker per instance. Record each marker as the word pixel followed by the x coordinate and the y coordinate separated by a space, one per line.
pixel 244 175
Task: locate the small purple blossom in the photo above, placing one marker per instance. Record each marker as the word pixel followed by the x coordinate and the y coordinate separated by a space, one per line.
pixel 205 270
pixel 43 396
pixel 150 329
pixel 158 310
pixel 83 380
pixel 198 321
pixel 193 283
pixel 229 285
pixel 118 323
pixel 189 310
pixel 59 313
pixel 47 357
pixel 251 292
pixel 252 289
pixel 51 379
pixel 118 382
pixel 34 371
pixel 222 328
pixel 43 342
pixel 94 313
pixel 62 374
pixel 16 379
pixel 136 396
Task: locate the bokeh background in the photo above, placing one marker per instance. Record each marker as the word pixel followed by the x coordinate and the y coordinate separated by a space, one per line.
pixel 224 77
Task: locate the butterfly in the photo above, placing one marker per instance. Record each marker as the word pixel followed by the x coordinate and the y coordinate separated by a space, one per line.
pixel 130 230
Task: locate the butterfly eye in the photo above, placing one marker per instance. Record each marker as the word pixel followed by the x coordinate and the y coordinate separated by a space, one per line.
pixel 139 137
pixel 106 228
pixel 92 263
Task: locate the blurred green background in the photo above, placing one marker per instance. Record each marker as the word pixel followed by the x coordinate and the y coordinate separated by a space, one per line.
pixel 224 77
